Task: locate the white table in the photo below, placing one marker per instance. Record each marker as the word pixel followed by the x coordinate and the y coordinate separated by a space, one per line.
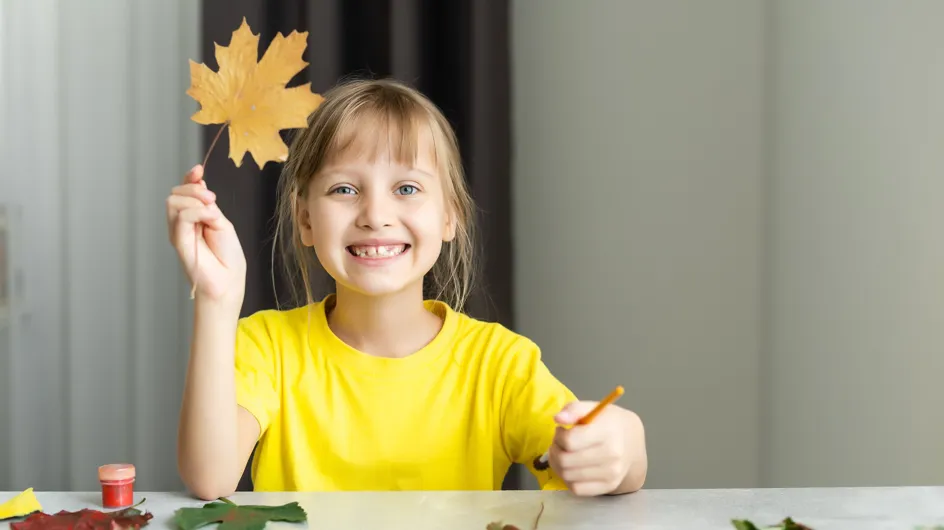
pixel 822 509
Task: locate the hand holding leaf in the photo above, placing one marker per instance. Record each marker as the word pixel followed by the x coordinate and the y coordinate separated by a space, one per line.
pixel 197 226
pixel 251 100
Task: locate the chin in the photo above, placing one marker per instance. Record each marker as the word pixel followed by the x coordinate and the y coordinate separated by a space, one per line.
pixel 374 289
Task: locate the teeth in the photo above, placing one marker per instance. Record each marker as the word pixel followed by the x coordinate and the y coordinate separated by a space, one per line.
pixel 382 251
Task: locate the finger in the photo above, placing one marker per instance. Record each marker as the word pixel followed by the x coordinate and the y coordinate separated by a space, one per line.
pixel 592 488
pixel 202 214
pixel 192 219
pixel 578 438
pixel 601 473
pixel 573 411
pixel 176 203
pixel 194 190
pixel 564 460
pixel 219 221
pixel 195 175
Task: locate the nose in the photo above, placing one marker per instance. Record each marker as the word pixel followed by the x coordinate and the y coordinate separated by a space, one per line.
pixel 376 211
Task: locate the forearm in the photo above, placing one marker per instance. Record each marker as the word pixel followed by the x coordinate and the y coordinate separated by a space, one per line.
pixel 207 443
pixel 636 449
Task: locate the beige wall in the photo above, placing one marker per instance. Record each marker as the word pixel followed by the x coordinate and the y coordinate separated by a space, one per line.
pixel 638 205
pixel 856 246
pixel 733 208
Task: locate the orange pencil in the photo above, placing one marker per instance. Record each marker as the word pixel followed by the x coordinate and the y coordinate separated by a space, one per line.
pixel 541 463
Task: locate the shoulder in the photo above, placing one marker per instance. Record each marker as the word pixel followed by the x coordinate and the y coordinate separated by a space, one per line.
pixel 272 319
pixel 495 347
pixel 512 366
pixel 285 319
pixel 268 329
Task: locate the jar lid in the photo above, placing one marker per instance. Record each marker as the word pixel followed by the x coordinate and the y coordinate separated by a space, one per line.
pixel 116 472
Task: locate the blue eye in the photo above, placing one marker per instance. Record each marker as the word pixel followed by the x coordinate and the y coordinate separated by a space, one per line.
pixel 407 189
pixel 343 190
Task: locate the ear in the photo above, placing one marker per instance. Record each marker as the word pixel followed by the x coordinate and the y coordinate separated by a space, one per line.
pixel 303 218
pixel 449 233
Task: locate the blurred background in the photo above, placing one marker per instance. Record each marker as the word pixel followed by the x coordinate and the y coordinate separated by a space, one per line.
pixel 732 208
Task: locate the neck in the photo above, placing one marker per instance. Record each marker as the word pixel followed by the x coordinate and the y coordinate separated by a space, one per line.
pixel 394 325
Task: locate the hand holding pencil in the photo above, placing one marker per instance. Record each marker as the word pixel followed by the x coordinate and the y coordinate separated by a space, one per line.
pixel 591 457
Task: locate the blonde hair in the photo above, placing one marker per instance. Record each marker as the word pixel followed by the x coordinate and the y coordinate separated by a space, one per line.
pixel 395 116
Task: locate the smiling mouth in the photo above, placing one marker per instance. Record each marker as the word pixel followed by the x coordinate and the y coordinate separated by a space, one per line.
pixel 377 251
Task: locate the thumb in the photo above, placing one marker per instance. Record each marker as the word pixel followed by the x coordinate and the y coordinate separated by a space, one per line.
pixel 574 411
pixel 194 175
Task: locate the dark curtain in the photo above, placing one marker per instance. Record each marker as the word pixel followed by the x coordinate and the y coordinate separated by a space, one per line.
pixel 454 51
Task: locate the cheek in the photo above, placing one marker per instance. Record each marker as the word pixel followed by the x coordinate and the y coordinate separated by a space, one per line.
pixel 324 223
pixel 429 219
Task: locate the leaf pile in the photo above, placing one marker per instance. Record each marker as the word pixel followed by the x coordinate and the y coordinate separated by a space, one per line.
pixel 232 516
pixel 786 524
pixel 84 519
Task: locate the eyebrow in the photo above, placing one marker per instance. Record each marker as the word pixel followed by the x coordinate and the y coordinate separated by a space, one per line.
pixel 422 172
pixel 350 170
pixel 333 170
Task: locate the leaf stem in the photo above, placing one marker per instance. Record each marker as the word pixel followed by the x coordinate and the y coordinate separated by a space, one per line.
pixel 129 508
pixel 196 228
pixel 538 518
pixel 213 144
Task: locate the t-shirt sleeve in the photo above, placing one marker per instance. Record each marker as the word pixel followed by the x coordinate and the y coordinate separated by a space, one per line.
pixel 256 372
pixel 531 397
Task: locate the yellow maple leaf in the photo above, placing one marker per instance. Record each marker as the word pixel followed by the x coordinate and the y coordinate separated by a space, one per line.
pixel 20 505
pixel 251 98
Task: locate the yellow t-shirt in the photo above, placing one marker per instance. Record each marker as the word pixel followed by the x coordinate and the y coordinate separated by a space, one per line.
pixel 452 416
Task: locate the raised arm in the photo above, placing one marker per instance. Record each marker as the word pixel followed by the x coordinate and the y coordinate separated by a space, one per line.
pixel 215 436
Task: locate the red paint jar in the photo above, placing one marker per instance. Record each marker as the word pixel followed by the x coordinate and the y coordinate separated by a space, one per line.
pixel 117 485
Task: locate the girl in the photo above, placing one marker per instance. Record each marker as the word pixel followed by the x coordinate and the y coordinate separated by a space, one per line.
pixel 373 387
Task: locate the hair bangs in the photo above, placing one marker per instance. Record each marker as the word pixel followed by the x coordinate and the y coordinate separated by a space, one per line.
pixel 392 130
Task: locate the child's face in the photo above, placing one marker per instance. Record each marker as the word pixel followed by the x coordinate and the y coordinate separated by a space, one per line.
pixel 377 227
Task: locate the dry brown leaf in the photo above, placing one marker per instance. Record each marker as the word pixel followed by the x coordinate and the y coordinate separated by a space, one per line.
pixel 252 98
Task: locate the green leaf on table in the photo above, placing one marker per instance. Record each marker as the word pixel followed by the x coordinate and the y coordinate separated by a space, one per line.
pixel 786 524
pixel 233 516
